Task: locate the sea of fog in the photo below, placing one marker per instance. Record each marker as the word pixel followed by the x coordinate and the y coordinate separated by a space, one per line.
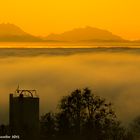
pixel 110 73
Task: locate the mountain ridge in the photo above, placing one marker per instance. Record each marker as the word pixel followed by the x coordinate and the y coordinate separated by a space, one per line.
pixel 12 33
pixel 85 34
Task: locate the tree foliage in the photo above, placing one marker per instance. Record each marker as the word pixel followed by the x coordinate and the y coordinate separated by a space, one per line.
pixel 134 129
pixel 83 115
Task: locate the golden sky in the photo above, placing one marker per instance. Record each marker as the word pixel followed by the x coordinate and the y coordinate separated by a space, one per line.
pixel 41 17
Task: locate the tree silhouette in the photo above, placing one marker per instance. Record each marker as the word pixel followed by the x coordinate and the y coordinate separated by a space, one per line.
pixel 83 115
pixel 134 129
pixel 48 126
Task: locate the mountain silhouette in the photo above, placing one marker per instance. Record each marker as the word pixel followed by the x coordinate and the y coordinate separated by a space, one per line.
pixel 12 33
pixel 87 34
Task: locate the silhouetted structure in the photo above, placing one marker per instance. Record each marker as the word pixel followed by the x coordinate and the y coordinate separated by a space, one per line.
pixel 24 114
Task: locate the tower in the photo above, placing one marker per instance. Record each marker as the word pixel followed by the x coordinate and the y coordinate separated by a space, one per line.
pixel 24 114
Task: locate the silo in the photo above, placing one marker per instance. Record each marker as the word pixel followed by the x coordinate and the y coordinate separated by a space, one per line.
pixel 24 114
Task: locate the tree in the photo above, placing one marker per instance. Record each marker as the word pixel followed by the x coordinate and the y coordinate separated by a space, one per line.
pixel 85 116
pixel 48 126
pixel 134 128
pixel 89 116
pixel 72 111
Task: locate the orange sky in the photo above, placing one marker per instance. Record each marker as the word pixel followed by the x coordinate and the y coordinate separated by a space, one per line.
pixel 41 17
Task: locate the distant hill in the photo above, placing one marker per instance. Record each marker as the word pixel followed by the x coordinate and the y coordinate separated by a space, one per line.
pixel 12 33
pixel 87 34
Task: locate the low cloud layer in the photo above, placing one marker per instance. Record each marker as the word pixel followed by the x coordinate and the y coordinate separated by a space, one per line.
pixel 114 76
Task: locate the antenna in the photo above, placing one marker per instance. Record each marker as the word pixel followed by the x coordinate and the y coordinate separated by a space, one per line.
pixel 25 92
pixel 17 90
